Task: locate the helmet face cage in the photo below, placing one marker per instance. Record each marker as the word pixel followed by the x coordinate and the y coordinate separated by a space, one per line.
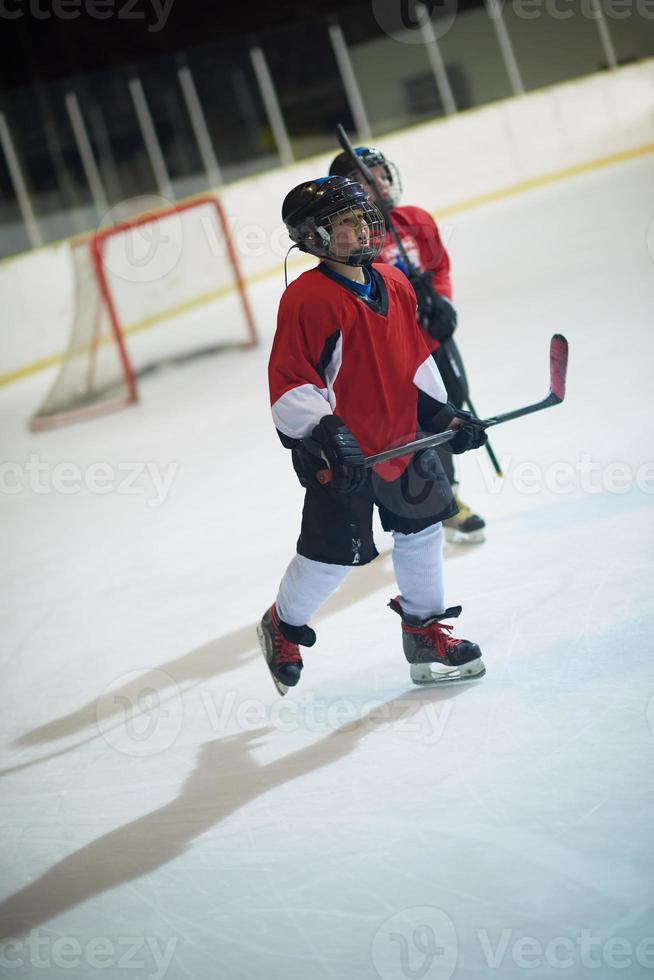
pixel 395 190
pixel 375 158
pixel 353 234
pixel 371 157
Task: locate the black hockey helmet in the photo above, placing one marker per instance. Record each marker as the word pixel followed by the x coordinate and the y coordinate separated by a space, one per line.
pixel 312 211
pixel 342 165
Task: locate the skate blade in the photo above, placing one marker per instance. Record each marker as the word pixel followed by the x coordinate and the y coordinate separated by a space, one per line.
pixel 454 536
pixel 281 688
pixel 435 674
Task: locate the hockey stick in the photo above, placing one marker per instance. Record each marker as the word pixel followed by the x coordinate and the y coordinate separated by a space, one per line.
pixel 489 449
pixel 558 371
pixel 449 346
pixel 367 175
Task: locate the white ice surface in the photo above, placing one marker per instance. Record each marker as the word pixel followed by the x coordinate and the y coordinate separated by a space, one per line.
pixel 155 786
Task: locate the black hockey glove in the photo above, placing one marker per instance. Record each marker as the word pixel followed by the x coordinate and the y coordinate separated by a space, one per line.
pixel 471 434
pixel 443 320
pixel 331 444
pixel 435 313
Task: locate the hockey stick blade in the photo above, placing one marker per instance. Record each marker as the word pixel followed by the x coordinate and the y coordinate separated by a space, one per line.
pixel 558 365
pixel 558 372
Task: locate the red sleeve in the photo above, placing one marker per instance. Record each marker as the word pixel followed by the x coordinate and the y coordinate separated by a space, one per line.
pixel 439 262
pixel 298 395
pixel 292 358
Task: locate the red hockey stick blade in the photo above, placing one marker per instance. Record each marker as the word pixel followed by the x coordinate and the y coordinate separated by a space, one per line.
pixel 558 365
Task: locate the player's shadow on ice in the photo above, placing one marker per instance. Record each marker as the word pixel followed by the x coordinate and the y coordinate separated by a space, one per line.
pixel 226 778
pixel 217 657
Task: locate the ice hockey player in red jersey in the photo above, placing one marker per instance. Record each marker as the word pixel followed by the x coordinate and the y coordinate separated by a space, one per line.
pixel 425 250
pixel 337 396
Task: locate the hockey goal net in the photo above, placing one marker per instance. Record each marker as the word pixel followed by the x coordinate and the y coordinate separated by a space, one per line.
pixel 175 267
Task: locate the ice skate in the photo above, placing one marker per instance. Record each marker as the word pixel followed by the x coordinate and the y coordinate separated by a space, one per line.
pixel 465 527
pixel 436 657
pixel 279 643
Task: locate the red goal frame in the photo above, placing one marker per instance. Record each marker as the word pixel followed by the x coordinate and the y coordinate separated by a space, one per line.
pixel 96 243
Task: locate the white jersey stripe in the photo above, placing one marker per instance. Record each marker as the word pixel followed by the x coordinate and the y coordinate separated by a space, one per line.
pixel 300 409
pixel 428 379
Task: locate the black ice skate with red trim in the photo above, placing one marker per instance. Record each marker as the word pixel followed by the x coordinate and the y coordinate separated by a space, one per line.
pixel 436 657
pixel 279 643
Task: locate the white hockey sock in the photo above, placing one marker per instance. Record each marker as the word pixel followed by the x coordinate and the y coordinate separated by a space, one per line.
pixel 305 586
pixel 418 564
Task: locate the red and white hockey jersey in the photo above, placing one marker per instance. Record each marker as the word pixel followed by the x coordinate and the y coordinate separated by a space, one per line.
pixel 364 360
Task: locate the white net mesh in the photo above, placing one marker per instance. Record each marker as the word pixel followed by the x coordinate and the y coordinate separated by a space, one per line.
pixel 148 271
pixel 92 377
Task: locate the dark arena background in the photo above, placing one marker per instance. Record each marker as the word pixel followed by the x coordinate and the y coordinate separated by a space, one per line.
pixel 168 811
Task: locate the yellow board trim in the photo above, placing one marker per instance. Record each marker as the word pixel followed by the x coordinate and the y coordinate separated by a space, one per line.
pixel 465 205
pixel 545 179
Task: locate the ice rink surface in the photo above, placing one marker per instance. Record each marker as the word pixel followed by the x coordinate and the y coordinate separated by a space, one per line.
pixel 166 814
